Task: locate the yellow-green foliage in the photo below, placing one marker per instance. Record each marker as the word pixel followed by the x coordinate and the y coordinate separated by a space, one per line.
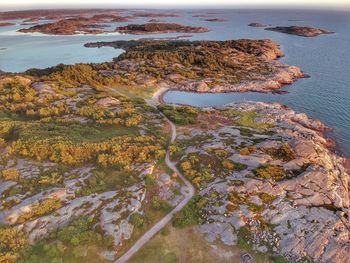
pixel 2 142
pixel 247 150
pixel 271 172
pixel 79 74
pixel 121 151
pixel 10 174
pixel 12 242
pixel 20 97
pixel 42 208
pixel 284 153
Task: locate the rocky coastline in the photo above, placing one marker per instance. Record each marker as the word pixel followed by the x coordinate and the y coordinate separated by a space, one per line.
pixel 303 216
pixel 246 65
pixel 300 30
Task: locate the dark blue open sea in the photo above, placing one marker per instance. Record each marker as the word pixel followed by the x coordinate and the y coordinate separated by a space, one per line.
pixel 325 96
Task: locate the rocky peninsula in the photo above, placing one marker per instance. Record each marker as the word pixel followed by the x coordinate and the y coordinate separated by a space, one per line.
pixel 300 30
pixel 204 66
pixel 267 180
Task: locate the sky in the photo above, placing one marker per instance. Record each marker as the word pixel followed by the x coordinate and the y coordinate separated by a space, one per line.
pixel 19 4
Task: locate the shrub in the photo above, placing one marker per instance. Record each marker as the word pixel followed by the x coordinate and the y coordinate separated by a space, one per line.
pixel 247 150
pixel 161 205
pixel 284 153
pixel 271 172
pixel 42 208
pixel 228 164
pixel 10 174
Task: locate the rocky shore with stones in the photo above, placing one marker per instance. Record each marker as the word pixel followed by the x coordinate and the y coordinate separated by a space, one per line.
pixel 281 189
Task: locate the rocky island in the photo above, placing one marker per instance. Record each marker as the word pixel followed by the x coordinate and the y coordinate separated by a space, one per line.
pixel 159 28
pixel 204 66
pixel 257 24
pixel 300 30
pixel 215 20
pixel 3 24
pixel 69 26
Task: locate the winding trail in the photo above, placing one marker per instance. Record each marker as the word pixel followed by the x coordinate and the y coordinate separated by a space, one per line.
pixel 165 220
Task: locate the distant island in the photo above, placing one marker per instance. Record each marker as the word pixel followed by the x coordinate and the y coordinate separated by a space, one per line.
pixel 300 30
pixel 215 20
pixel 159 28
pixel 6 24
pixel 257 24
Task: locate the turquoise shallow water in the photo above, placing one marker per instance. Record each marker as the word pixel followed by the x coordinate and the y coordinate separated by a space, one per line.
pixel 326 95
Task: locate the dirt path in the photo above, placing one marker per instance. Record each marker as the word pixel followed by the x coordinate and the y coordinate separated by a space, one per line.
pixel 165 220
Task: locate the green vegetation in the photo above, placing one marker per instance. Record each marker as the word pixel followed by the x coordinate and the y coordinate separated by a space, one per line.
pixel 180 114
pixel 160 205
pixel 191 214
pixel 75 242
pixel 247 119
pixel 201 168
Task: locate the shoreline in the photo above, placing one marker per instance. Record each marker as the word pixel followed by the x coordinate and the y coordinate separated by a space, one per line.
pixel 327 133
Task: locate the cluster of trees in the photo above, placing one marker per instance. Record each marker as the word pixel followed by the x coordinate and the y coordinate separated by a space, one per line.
pixel 77 241
pixel 12 243
pixel 71 76
pixel 127 114
pixel 19 97
pixel 122 151
pixel 180 114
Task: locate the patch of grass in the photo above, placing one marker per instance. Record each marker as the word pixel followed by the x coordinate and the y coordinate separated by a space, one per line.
pixel 247 119
pixel 244 236
pixel 136 91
